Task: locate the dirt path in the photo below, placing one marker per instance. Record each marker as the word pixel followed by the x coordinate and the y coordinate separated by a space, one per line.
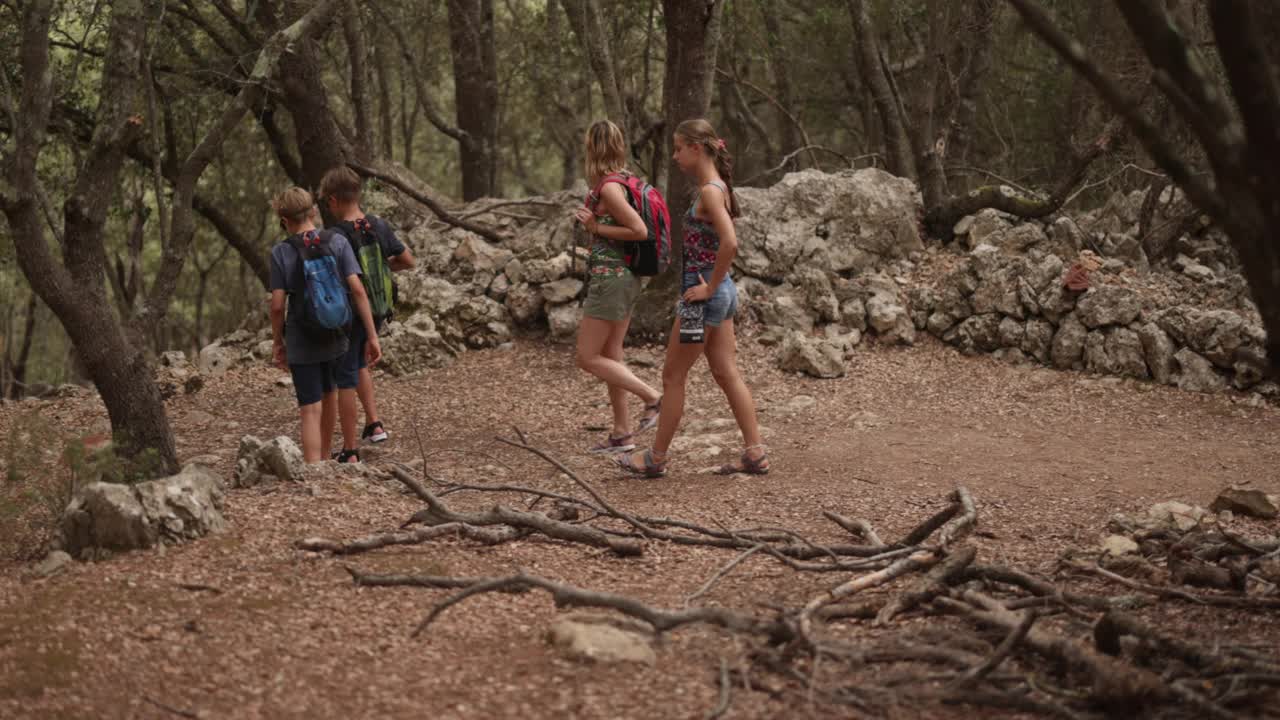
pixel 1048 456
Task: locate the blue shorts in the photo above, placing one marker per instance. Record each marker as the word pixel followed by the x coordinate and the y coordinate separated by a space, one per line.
pixel 311 382
pixel 347 368
pixel 721 306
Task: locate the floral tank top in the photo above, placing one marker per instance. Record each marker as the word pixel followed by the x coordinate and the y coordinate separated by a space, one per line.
pixel 701 242
pixel 606 258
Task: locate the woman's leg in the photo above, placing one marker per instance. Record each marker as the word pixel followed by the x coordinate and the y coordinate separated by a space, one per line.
pixel 675 376
pixel 593 337
pixel 722 356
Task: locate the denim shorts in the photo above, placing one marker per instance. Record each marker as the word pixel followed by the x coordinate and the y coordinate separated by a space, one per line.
pixel 347 368
pixel 723 305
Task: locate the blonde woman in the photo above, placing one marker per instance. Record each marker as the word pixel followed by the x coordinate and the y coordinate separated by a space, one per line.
pixel 612 289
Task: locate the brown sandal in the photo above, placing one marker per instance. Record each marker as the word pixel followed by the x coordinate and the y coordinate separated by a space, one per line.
pixel 650 469
pixel 757 466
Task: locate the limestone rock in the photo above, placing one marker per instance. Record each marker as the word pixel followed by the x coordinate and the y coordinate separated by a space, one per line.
pixel 593 642
pixel 119 517
pixel 1254 503
pixel 811 356
pixel 258 461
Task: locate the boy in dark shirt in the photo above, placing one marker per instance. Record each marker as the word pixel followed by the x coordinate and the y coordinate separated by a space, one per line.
pixel 340 189
pixel 312 360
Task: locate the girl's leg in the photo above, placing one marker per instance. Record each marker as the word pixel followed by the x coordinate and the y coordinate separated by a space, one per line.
pixel 593 336
pixel 675 375
pixel 722 356
pixel 618 395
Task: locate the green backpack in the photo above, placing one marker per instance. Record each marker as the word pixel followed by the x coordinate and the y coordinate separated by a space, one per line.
pixel 376 273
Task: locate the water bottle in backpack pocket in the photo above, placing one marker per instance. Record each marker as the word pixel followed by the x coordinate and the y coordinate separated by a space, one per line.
pixel 324 310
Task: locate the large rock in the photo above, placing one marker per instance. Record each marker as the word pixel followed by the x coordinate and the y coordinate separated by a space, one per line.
pixel 413 345
pixel 1218 335
pixel 110 516
pixel 813 286
pixel 1108 305
pixel 561 291
pixel 564 321
pixel 887 316
pixel 544 271
pixel 1037 339
pixel 982 227
pixel 977 334
pixel 1116 351
pixel 1158 351
pixel 600 643
pixel 784 312
pixel 525 303
pixel 817 357
pixel 258 462
pixel 216 358
pixel 1196 374
pixel 1068 343
pixel 1254 503
pixel 176 376
pixel 481 256
pixel 844 222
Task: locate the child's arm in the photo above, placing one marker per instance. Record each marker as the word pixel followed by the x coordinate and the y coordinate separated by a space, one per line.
pixel 630 227
pixel 373 351
pixel 399 256
pixel 277 330
pixel 712 200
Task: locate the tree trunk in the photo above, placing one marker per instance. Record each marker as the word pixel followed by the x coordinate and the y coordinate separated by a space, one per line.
pixel 896 146
pixel 321 144
pixel 779 65
pixel 693 35
pixel 353 32
pixel 382 71
pixel 475 72
pixel 584 18
pixel 18 370
pixel 978 38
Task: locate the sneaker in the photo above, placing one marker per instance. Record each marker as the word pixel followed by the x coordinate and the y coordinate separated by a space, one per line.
pixel 347 456
pixel 614 445
pixel 374 432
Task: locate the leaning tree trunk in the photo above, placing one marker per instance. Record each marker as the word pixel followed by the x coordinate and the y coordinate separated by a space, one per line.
pixel 475 81
pixel 18 370
pixel 1235 130
pixel 584 18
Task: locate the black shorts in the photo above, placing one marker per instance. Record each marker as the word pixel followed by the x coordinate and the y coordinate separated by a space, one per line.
pixel 348 367
pixel 313 381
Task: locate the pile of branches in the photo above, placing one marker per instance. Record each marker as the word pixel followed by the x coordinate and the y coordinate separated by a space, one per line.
pixel 1002 637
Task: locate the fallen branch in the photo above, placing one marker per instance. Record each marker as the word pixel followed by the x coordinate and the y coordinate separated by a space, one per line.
pixel 1002 651
pixel 537 522
pixel 856 527
pixel 412 537
pixel 936 582
pixel 660 620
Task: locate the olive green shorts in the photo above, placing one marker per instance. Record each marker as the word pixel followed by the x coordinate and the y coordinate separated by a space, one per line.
pixel 612 294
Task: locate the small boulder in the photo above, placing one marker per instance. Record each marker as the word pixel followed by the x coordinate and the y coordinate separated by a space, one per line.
pixel 816 357
pixel 258 462
pixel 564 321
pixel 1117 545
pixel 593 642
pixel 1240 501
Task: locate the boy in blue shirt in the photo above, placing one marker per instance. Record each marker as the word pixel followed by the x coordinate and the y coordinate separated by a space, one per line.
pixel 312 359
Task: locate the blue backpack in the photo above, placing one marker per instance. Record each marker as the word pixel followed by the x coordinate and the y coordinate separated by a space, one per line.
pixel 324 311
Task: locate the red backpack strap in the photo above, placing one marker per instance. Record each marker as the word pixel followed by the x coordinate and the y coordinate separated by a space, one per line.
pixel 593 197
